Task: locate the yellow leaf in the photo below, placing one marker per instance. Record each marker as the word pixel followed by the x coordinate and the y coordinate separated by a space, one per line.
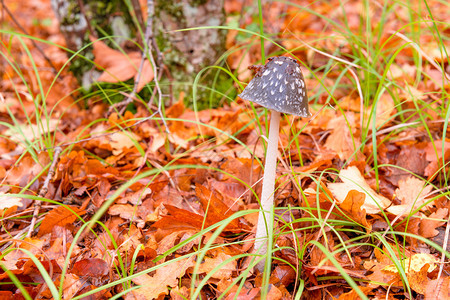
pixel 415 263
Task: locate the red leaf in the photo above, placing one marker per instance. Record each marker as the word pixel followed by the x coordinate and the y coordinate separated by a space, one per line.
pixel 90 267
pixel 60 216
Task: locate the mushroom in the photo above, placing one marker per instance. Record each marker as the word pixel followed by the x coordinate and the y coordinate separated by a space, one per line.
pixel 279 86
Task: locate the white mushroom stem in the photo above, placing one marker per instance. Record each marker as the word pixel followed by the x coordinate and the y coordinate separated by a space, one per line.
pixel 265 218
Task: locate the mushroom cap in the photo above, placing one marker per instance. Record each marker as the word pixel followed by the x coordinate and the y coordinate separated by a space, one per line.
pixel 279 85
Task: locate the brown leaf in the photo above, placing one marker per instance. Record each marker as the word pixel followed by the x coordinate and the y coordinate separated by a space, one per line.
pixel 353 180
pixel 438 289
pixel 412 193
pixel 210 263
pixel 428 227
pixel 418 280
pixel 93 267
pixel 156 285
pixel 352 205
pixel 342 140
pixel 121 67
pixel 59 216
pixel 178 220
pixel 215 209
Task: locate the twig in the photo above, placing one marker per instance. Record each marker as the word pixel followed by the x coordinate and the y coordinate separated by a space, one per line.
pixel 148 47
pixel 44 189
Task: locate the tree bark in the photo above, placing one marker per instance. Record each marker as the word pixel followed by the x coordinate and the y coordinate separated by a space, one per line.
pixel 184 53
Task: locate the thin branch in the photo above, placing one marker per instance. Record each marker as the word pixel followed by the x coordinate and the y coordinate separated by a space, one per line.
pixel 148 47
pixel 44 189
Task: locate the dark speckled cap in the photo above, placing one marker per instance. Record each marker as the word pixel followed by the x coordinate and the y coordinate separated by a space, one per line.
pixel 279 85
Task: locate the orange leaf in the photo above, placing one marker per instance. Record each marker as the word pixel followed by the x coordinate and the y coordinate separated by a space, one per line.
pixel 418 280
pixel 438 289
pixel 352 204
pixel 121 67
pixel 93 267
pixel 215 209
pixel 428 226
pixel 60 216
pixel 179 219
pixel 154 286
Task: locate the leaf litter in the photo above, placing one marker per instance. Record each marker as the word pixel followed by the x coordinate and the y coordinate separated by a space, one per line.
pixel 328 177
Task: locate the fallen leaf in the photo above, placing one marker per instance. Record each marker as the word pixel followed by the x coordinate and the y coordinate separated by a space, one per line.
pixel 385 108
pixel 211 263
pixel 93 267
pixel 353 180
pixel 22 132
pixel 215 209
pixel 438 289
pixel 415 263
pixel 122 140
pixel 59 216
pixel 342 141
pixel 121 67
pixel 412 193
pixel 352 205
pixel 7 201
pixel 418 280
pixel 154 286
pixel 427 227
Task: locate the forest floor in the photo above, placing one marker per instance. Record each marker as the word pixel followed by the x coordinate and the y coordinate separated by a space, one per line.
pixel 134 210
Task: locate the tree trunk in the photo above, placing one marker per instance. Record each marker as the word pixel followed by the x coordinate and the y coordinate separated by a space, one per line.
pixel 80 18
pixel 184 53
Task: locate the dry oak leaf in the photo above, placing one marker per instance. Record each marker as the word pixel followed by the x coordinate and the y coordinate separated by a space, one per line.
pixel 120 66
pixel 60 216
pixel 352 205
pixel 8 201
pixel 385 108
pixel 31 131
pixel 211 263
pixel 415 263
pixel 418 280
pixel 416 268
pixel 154 286
pixel 342 140
pixel 353 180
pixel 412 193
pixel 438 289
pixel 427 227
pixel 72 285
pixel 34 246
pixel 93 267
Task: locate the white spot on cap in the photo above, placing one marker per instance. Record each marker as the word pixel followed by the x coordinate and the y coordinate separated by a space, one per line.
pixel 285 81
pixel 278 62
pixel 266 72
pixel 297 69
pixel 281 88
pixel 279 75
pixel 265 84
pixel 302 83
pixel 272 92
pixel 293 85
